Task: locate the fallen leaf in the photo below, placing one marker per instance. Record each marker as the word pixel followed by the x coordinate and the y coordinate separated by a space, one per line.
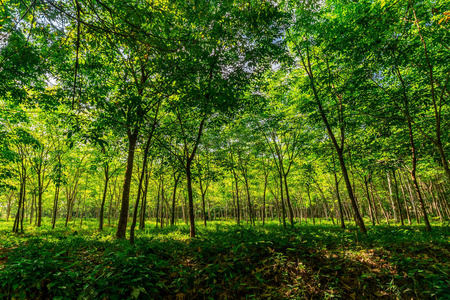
pixel 380 294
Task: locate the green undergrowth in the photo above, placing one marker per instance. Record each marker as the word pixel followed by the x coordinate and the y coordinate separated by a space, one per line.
pixel 227 261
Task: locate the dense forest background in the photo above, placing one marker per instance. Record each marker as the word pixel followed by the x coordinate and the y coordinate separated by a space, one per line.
pixel 168 112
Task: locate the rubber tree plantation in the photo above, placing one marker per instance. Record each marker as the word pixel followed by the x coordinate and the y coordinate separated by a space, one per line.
pixel 224 149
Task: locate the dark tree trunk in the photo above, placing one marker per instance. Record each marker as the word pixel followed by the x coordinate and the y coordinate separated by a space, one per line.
pixel 18 221
pixel 203 193
pixel 190 198
pixel 238 212
pixel 264 199
pixel 288 200
pixel 397 198
pixel 341 211
pixel 141 180
pixel 174 195
pixel 283 208
pixel 39 212
pixel 144 203
pixel 414 179
pixel 371 211
pixel 158 199
pixel 55 207
pixel 310 205
pixel 123 217
pixel 102 206
pixel 249 203
pixel 163 197
pixel 357 216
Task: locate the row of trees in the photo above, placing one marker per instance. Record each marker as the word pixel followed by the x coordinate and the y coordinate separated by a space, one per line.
pixel 261 109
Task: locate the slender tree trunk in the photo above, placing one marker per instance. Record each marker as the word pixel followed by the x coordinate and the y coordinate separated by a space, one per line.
pixel 163 197
pixel 341 211
pixel 174 194
pixel 414 179
pixel 158 199
pixel 391 198
pixel 183 209
pixel 372 217
pixel 33 202
pixel 202 192
pixel 123 217
pixel 397 198
pixel 357 216
pixel 102 206
pixel 413 200
pixel 141 180
pixel 144 203
pixel 238 212
pixel 249 203
pixel 264 199
pixel 190 198
pixel 23 201
pixel 8 204
pixel 288 200
pixel 283 208
pixel 40 187
pixel 20 202
pixel 310 205
pixel 55 207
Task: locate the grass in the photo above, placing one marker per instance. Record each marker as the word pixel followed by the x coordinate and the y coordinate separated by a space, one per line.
pixel 225 261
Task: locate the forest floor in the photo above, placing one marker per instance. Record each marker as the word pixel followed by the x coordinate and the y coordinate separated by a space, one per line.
pixel 226 261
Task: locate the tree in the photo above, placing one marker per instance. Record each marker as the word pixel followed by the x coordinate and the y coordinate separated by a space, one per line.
pixel 326 80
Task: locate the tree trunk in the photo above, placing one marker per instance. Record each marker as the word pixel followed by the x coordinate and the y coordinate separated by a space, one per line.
pixel 174 194
pixel 18 218
pixel 414 179
pixel 141 180
pixel 158 199
pixel 341 211
pixel 163 197
pixel 40 188
pixel 33 202
pixel 238 212
pixel 372 217
pixel 249 203
pixel 144 203
pixel 264 199
pixel 55 207
pixel 202 192
pixel 402 186
pixel 102 206
pixel 397 198
pixel 288 200
pixel 283 208
pixel 123 217
pixel 310 205
pixel 190 198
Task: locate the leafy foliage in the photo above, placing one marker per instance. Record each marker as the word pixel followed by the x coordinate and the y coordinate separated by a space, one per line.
pixel 228 261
